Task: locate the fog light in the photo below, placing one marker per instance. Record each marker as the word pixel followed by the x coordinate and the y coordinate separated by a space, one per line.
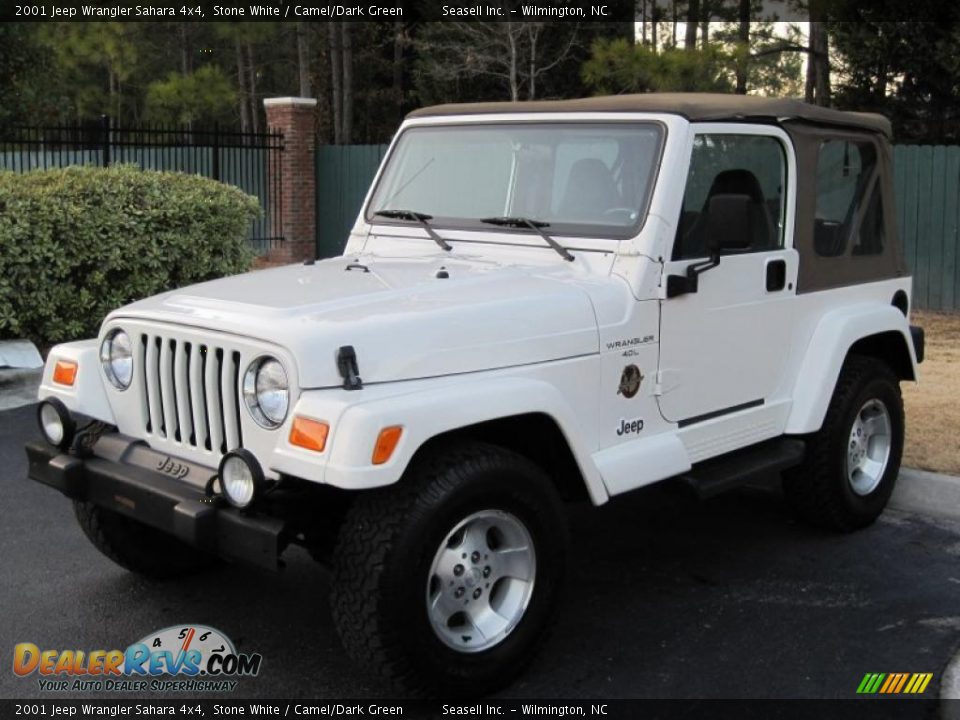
pixel 55 423
pixel 240 477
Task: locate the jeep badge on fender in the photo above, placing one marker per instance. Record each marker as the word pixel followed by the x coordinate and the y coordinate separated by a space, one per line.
pixel 538 303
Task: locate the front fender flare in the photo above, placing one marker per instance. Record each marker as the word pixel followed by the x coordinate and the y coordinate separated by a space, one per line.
pixel 425 414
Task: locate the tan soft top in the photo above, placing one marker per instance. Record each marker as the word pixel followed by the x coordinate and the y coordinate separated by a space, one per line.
pixel 693 106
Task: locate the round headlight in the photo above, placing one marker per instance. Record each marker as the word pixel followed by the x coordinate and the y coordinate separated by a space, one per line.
pixel 266 392
pixel 240 478
pixel 116 354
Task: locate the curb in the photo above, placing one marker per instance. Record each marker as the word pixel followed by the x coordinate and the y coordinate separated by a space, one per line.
pixel 928 493
pixel 950 689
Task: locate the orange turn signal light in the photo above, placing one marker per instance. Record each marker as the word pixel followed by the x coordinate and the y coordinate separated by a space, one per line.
pixel 309 434
pixel 65 372
pixel 386 444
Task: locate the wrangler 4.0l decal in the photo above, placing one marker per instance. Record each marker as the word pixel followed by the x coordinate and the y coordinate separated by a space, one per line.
pixel 629 342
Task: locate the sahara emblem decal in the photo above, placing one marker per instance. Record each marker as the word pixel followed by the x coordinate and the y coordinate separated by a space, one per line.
pixel 630 427
pixel 630 381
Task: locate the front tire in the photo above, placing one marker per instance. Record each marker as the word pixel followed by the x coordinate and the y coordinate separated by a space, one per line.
pixel 446 582
pixel 852 463
pixel 137 547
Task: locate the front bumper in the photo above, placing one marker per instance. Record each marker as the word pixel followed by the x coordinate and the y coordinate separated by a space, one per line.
pixel 155 499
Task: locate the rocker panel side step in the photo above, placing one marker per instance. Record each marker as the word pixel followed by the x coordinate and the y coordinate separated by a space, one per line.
pixel 717 475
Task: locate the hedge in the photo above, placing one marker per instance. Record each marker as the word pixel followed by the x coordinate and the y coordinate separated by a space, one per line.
pixel 77 242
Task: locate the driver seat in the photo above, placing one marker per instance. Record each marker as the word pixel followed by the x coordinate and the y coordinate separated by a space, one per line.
pixel 693 243
pixel 590 192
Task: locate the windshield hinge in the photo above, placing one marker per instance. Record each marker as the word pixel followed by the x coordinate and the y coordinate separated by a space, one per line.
pixel 348 368
pixel 658 385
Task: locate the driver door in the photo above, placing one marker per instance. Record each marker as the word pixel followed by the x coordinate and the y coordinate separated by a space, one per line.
pixel 723 348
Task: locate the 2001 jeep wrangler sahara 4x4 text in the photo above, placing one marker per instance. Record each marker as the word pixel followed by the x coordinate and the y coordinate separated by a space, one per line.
pixel 538 302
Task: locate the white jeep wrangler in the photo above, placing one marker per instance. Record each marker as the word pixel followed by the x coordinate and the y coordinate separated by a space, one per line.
pixel 539 302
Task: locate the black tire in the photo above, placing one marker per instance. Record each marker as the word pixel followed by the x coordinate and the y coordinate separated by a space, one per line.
pixel 819 490
pixel 383 559
pixel 137 547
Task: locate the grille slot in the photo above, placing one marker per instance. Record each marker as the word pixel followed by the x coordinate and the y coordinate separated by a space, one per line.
pixel 190 393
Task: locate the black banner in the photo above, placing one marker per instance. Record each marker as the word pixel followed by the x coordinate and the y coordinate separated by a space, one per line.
pixel 444 11
pixel 874 709
pixel 318 10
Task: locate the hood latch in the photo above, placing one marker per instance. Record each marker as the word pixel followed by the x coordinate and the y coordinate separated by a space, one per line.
pixel 349 370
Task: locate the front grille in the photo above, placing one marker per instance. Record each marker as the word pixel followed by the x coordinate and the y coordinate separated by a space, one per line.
pixel 190 393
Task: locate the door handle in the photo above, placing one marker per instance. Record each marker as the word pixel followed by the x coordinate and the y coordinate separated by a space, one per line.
pixel 776 275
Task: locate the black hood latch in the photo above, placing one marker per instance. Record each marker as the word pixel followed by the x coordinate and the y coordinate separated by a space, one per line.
pixel 348 368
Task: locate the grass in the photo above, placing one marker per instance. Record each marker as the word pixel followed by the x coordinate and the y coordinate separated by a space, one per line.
pixel 933 404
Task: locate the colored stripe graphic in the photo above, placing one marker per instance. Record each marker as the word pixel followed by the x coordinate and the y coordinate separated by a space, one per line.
pixel 894 683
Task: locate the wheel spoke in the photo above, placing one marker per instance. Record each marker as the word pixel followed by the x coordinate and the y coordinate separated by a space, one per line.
pixel 875 426
pixel 443 606
pixel 514 563
pixel 871 468
pixel 448 560
pixel 475 535
pixel 486 621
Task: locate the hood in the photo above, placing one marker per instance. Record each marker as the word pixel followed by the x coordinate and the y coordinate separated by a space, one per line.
pixel 403 320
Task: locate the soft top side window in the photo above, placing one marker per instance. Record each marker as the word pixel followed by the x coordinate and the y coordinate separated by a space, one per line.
pixel 750 166
pixel 849 207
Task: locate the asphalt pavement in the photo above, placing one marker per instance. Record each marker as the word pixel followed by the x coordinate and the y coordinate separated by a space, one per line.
pixel 668 597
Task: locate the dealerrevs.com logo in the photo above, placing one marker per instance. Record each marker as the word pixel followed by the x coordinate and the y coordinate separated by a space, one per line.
pixel 197 657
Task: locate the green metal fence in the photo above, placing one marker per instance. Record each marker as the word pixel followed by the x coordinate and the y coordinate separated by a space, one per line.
pixel 344 173
pixel 927 180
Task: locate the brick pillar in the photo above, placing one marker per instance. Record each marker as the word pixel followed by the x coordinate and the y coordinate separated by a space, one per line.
pixel 297 205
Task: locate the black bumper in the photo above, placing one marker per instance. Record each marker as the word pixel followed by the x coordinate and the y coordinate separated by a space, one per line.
pixel 916 334
pixel 165 503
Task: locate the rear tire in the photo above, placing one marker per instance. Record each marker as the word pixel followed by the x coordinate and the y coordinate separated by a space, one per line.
pixel 137 547
pixel 419 567
pixel 852 463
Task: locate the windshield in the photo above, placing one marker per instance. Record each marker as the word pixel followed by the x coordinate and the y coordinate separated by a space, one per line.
pixel 582 179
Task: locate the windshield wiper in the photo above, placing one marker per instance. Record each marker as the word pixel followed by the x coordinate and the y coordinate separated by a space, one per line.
pixel 535 225
pixel 421 218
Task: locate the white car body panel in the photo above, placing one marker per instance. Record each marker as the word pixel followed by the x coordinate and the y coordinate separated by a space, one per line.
pixel 836 331
pixel 403 322
pixel 88 395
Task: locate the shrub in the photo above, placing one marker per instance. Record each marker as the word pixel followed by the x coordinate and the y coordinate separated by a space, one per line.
pixel 77 242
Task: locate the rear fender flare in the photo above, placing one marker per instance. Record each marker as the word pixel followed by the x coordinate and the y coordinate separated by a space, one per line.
pixel 836 333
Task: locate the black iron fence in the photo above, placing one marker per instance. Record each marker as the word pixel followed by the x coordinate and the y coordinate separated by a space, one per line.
pixel 250 161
